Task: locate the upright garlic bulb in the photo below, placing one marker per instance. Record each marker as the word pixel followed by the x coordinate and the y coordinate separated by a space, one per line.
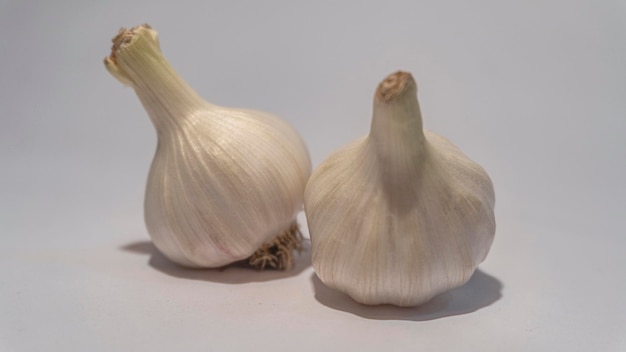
pixel 225 184
pixel 401 215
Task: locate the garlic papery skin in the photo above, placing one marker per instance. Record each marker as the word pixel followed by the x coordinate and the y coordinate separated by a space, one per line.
pixel 225 184
pixel 401 215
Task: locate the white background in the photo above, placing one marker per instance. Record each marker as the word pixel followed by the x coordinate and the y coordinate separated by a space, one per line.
pixel 535 91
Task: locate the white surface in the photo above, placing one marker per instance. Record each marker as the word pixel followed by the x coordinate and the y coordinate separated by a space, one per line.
pixel 534 91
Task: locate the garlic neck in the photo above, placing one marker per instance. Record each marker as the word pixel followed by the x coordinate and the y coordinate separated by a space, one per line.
pixel 136 60
pixel 396 133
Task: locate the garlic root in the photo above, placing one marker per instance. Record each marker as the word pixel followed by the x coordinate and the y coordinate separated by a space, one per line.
pixel 278 253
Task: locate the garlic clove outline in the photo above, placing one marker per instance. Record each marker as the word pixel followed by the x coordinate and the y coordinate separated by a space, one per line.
pixel 401 215
pixel 225 184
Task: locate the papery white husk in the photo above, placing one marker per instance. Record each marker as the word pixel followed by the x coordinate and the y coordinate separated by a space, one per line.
pixel 223 181
pixel 401 215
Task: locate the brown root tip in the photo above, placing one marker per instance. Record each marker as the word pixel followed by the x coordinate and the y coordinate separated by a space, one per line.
pixel 124 36
pixel 278 254
pixel 394 84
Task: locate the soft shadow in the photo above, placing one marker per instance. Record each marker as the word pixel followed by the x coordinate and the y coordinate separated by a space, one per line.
pixel 480 291
pixel 231 274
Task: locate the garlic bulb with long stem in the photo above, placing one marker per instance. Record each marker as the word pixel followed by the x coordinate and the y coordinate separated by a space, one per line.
pixel 225 184
pixel 402 214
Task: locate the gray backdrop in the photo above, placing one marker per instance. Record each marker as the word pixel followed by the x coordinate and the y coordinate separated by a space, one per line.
pixel 534 91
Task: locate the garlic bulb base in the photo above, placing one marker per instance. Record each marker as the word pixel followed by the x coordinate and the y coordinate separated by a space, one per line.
pixel 278 253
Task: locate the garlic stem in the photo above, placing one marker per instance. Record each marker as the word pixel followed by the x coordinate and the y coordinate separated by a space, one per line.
pixel 396 134
pixel 136 60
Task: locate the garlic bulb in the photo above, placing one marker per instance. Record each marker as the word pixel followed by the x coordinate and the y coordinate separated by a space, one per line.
pixel 225 184
pixel 402 214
